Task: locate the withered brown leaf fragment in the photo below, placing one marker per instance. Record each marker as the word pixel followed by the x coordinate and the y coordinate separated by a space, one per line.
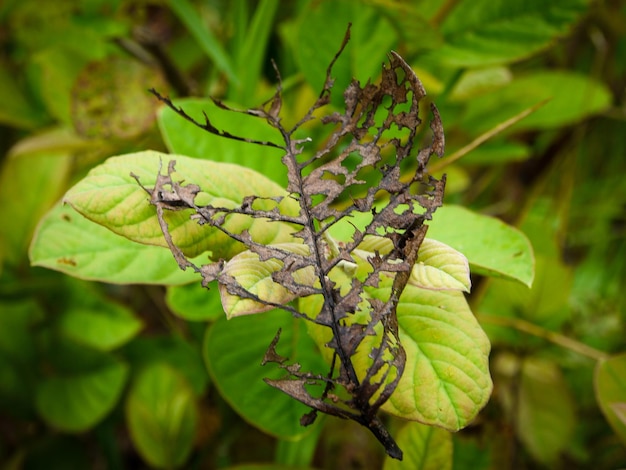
pixel 369 146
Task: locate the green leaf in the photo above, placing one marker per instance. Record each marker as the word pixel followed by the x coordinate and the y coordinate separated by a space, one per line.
pixel 233 350
pixel 490 32
pixel 29 185
pixel 57 69
pixel 610 388
pixel 492 247
pixel 17 318
pixel 372 38
pixel 17 110
pixel 425 447
pixel 109 196
pixel 18 356
pixel 181 355
pixel 183 138
pixel 209 43
pixel 67 242
pixel 546 420
pixel 75 402
pixel 194 303
pixel 256 277
pixel 252 54
pixel 162 416
pixel 572 98
pixel 104 326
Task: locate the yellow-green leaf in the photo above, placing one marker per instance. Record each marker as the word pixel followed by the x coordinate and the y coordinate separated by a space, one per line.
pixel 256 277
pixel 110 196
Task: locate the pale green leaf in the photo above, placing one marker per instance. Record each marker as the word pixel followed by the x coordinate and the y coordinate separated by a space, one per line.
pixel 110 196
pixel 488 32
pixel 77 401
pixel 438 266
pixel 233 350
pixel 610 388
pixel 446 380
pixel 492 247
pixel 162 416
pixel 425 448
pixel 546 420
pixel 256 277
pixel 67 242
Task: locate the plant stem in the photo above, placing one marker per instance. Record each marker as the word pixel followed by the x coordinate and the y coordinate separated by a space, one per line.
pixel 551 336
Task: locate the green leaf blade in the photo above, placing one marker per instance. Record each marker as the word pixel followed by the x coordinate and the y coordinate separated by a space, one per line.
pixel 610 390
pixel 572 97
pixel 162 416
pixel 183 138
pixel 67 242
pixel 232 351
pixel 76 402
pixel 492 247
pixel 488 32
pixel 425 448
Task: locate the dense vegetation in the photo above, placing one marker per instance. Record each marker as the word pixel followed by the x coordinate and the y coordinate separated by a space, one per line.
pixel 113 357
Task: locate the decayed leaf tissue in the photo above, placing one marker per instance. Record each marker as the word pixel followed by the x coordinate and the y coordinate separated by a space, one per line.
pixel 370 150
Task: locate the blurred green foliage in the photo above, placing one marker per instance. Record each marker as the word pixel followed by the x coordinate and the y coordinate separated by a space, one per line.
pixel 90 371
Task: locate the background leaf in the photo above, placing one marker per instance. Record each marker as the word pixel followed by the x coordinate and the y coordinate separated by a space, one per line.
pixel 546 420
pixel 492 247
pixel 101 325
pixel 233 350
pixel 610 388
pixel 572 96
pixel 37 181
pixel 371 31
pixel 194 302
pixel 488 32
pixel 162 416
pixel 425 447
pixel 76 401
